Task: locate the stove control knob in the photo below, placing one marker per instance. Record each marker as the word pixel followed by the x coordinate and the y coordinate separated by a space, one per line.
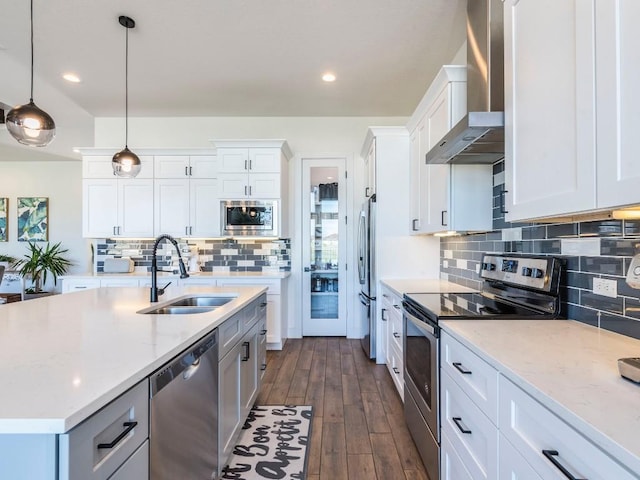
pixel 537 273
pixel 526 271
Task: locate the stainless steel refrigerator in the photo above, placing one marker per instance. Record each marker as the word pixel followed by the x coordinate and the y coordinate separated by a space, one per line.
pixel 367 273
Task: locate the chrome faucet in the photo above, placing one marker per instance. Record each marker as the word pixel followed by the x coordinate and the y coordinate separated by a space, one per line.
pixel 155 291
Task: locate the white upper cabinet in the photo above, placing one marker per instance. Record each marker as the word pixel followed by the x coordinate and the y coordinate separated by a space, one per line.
pixel 618 102
pixel 187 208
pixel 186 201
pixel 185 166
pixel 99 166
pixel 445 197
pixel 570 106
pixel 252 169
pixel 114 206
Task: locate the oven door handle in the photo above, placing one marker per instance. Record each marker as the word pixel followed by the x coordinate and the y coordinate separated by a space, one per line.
pixel 425 325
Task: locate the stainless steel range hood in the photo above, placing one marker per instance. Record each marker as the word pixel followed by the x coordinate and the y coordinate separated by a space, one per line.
pixel 479 136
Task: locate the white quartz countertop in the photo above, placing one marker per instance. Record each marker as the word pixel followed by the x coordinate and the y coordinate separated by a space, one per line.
pixel 423 285
pixel 64 357
pixel 251 275
pixel 569 367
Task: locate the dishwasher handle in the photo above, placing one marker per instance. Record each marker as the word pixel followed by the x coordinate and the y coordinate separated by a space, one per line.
pixel 185 364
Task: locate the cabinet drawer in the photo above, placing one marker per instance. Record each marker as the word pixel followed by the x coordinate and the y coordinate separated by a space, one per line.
pixel 230 333
pixel 395 319
pixel 396 369
pixel 136 467
pixel 470 431
pixel 103 442
pixel 532 430
pixel 477 378
pixel 451 467
pixel 255 311
pixel 512 466
pixel 74 285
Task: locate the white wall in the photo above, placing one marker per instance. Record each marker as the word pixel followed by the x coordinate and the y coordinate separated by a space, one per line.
pixel 61 181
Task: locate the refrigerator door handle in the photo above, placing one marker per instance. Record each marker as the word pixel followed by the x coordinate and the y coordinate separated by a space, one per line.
pixel 362 246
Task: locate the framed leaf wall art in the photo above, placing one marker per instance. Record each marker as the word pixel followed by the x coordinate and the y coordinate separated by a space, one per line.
pixel 4 220
pixel 33 219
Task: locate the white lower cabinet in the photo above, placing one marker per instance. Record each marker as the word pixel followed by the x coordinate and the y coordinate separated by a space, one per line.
pixel 229 411
pixel 477 378
pixel 512 465
pixel 239 372
pixel 452 467
pixel 137 467
pixel 96 448
pixel 277 324
pixel 392 331
pixel 473 436
pixel 552 447
pixel 79 284
pixel 498 431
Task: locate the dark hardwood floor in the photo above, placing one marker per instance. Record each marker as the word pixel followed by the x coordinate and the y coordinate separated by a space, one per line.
pixel 358 427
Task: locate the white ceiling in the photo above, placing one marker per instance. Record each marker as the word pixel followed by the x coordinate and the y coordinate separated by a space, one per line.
pixel 238 57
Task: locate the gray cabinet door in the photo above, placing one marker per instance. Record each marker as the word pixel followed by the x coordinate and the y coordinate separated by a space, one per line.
pixel 136 467
pixel 229 411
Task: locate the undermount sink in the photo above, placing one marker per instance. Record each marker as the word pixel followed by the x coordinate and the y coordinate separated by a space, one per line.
pixel 201 302
pixel 188 305
pixel 169 310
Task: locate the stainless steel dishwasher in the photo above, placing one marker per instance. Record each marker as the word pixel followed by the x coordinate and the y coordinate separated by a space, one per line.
pixel 183 436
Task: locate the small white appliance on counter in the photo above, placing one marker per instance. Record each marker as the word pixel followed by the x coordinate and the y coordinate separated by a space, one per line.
pixel 118 265
pixel 630 369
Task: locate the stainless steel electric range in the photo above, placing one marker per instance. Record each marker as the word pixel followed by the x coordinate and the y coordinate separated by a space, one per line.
pixel 514 287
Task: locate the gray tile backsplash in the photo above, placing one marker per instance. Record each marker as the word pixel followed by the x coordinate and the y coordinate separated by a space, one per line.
pixel 215 255
pixel 619 241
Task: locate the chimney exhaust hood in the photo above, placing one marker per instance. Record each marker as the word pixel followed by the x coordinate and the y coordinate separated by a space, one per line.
pixel 479 137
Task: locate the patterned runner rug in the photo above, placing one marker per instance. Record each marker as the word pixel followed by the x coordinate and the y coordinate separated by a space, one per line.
pixel 272 445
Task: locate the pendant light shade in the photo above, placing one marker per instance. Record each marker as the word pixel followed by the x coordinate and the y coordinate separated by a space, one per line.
pixel 125 163
pixel 27 123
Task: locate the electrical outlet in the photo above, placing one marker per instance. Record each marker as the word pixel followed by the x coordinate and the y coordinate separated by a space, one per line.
pixel 608 288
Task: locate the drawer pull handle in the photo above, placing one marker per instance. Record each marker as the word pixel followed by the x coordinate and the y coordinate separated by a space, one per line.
pixel 395 369
pixel 396 334
pixel 460 425
pixel 263 367
pixel 129 426
pixel 461 369
pixel 263 332
pixel 263 304
pixel 247 351
pixel 397 307
pixel 384 319
pixel 551 456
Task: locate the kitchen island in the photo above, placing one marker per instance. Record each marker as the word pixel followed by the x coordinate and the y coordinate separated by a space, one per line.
pixel 64 358
pixel 555 387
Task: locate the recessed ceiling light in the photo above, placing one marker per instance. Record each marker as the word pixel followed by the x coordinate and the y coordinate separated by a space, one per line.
pixel 329 77
pixel 71 77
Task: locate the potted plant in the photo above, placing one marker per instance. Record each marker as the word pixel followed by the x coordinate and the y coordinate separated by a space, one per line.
pixel 40 262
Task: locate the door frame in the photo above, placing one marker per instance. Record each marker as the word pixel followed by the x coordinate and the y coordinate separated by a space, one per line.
pixel 354 330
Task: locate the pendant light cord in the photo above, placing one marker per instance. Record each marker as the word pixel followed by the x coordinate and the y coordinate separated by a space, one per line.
pixel 126 88
pixel 31 97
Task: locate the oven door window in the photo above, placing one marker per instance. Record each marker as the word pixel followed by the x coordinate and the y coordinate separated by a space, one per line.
pixel 418 361
pixel 260 217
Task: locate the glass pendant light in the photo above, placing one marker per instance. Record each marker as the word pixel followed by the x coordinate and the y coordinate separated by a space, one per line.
pixel 27 123
pixel 125 163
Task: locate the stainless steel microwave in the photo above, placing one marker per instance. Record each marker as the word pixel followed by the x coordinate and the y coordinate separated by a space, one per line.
pixel 252 218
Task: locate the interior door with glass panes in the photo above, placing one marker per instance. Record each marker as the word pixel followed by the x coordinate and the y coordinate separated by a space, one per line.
pixel 323 247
